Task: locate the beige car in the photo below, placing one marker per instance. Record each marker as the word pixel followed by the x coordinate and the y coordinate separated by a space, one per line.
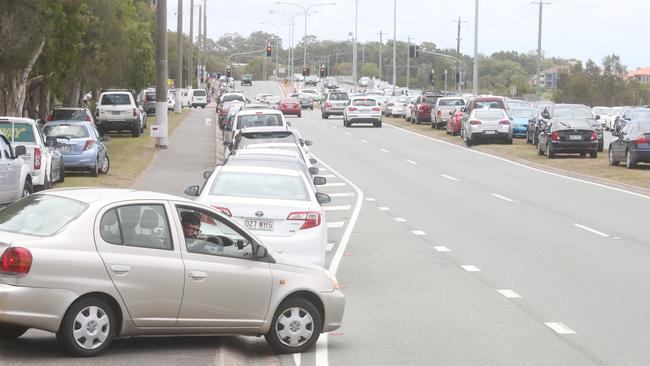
pixel 93 264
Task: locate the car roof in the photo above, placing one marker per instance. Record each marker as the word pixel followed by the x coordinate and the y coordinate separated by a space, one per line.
pixel 265 129
pixel 259 170
pixel 267 152
pixel 256 106
pixel 92 194
pixel 67 122
pixel 281 162
pixel 259 111
pixel 17 119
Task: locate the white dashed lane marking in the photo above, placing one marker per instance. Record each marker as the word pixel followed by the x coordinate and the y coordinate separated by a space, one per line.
pixel 592 230
pixel 384 150
pixel 383 208
pixel 441 248
pixel 509 294
pixel 471 268
pixel 349 134
pixel 411 162
pixel 335 224
pixel 370 199
pixel 399 219
pixel 560 328
pixel 337 208
pixel 449 177
pixel 503 198
pixel 418 232
pixel 364 141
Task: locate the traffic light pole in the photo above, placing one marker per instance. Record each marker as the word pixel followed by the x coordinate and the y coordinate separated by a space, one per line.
pixel 161 73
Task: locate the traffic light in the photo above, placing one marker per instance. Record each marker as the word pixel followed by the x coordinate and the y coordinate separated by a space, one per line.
pixel 305 71
pixel 228 72
pixel 322 71
pixel 268 50
pixel 432 77
pixel 413 51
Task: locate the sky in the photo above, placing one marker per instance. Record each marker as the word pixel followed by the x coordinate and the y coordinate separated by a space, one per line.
pixel 582 29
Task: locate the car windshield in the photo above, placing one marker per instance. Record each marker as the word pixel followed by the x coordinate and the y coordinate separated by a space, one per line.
pixel 364 102
pixel 489 114
pixel 69 131
pixel 640 114
pixel 231 97
pixel 17 132
pixel 40 215
pixel 429 99
pixel 258 120
pixel 572 112
pixel 199 93
pixel 258 185
pixel 450 102
pixel 522 112
pixel 69 115
pixel 248 139
pixel 338 96
pixel 116 99
pixel 562 125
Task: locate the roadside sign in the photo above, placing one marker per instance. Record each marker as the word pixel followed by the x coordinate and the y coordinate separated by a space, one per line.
pixel 158 131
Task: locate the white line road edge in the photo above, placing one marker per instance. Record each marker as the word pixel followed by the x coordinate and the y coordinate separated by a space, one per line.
pixel 560 328
pixel 592 230
pixel 520 164
pixel 321 345
pixel 449 177
pixel 502 197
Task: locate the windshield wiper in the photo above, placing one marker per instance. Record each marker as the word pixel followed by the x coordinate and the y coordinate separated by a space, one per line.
pixel 565 125
pixel 61 137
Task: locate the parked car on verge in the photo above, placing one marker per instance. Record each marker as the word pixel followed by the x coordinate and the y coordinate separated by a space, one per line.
pixel 421 108
pixel 605 114
pixel 45 163
pixel 290 106
pixel 198 98
pixel 256 118
pixel 70 114
pixel 487 124
pixel 117 111
pixel 80 146
pixel 147 260
pixel 567 134
pixel 395 106
pixel 312 80
pixel 631 144
pixel 443 108
pixel 15 180
pixel 454 123
pixel 571 111
pixel 362 110
pixel 630 114
pixel 148 100
pixel 520 116
pixel 334 104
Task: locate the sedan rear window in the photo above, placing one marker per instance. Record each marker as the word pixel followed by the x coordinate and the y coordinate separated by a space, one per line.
pixel 640 115
pixel 489 113
pixel 69 115
pixel 364 102
pixel 69 131
pixel 17 132
pixel 40 215
pixel 230 98
pixel 429 100
pixel 450 102
pixel 273 186
pixel 257 120
pixel 199 93
pixel 338 96
pixel 116 99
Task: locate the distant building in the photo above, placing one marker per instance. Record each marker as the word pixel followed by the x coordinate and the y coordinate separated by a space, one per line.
pixel 642 75
pixel 550 76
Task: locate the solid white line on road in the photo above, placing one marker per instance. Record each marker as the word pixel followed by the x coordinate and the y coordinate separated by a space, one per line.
pixel 384 150
pixel 335 224
pixel 418 232
pixel 337 208
pixel 330 246
pixel 449 177
pixel 471 268
pixel 370 199
pixel 297 358
pixel 502 197
pixel 321 345
pixel 560 328
pixel 399 219
pixel 364 141
pixel 328 175
pixel 338 184
pixel 509 294
pixel 349 134
pixel 345 194
pixel 592 230
pixel 441 248
pixel 411 161
pixel 383 208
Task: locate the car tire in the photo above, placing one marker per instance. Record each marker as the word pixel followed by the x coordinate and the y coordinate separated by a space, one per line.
pixel 610 157
pixel 91 313
pixel 8 331
pixel 299 115
pixel 135 131
pixel 509 141
pixel 61 173
pixel 539 149
pixel 601 146
pixel 468 141
pixel 307 322
pixel 549 152
pixel 433 126
pixel 629 163
pixel 593 154
pixel 105 166
pixel 324 116
pixel 95 171
pixel 28 189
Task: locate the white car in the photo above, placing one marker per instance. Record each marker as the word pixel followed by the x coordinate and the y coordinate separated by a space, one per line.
pixel 259 98
pixel 311 92
pixel 15 180
pixel 256 118
pixel 298 77
pixel 306 155
pixel 362 109
pixel 396 106
pixel 171 101
pixel 605 113
pixel 278 205
pixel 117 111
pixel 198 98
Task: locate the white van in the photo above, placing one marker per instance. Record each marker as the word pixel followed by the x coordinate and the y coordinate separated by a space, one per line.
pixel 198 98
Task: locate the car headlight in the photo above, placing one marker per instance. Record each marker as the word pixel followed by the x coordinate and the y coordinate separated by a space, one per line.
pixel 332 278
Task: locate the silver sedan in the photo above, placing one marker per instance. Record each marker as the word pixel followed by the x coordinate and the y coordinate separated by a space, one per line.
pixel 94 264
pixel 487 124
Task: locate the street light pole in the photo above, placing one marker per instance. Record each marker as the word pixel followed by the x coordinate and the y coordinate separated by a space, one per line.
pixel 475 72
pixel 408 64
pixel 205 41
pixel 161 72
pixel 178 106
pixel 394 45
pixel 538 76
pixel 354 46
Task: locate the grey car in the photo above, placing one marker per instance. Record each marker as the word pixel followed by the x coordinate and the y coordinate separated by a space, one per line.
pixel 94 264
pixel 487 124
pixel 334 104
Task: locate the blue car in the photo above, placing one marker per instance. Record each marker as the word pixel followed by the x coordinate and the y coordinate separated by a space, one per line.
pixel 519 117
pixel 80 145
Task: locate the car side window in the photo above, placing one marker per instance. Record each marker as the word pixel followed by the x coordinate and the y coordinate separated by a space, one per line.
pixel 4 150
pixel 210 234
pixel 144 226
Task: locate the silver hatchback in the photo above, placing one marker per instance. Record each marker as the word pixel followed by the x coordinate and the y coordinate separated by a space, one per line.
pixel 487 124
pixel 94 264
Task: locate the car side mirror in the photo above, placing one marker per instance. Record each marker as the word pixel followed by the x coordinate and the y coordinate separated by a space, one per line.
pixel 192 191
pixel 319 181
pixel 289 124
pixel 313 161
pixel 50 141
pixel 261 252
pixel 323 198
pixel 313 170
pixel 597 117
pixel 462 109
pixel 20 150
pixel 308 142
pixel 206 174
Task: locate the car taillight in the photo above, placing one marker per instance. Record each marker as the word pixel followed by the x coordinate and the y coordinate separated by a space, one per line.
pixel 504 122
pixel 224 210
pixel 135 112
pixel 88 145
pixel 555 136
pixel 97 112
pixel 376 109
pixel 16 260
pixel 351 109
pixel 89 117
pixel 594 136
pixel 311 218
pixel 328 104
pixel 642 140
pixel 474 122
pixel 37 158
pixel 49 117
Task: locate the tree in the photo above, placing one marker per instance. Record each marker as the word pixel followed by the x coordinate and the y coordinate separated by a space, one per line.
pixel 370 69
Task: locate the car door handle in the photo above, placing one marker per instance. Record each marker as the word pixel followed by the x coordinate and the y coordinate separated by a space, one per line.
pixel 197 275
pixel 120 269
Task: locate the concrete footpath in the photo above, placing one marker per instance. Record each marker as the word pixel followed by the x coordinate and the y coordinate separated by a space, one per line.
pixel 191 151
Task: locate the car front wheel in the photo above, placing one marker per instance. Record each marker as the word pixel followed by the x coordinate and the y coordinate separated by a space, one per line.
pixel 295 328
pixel 629 163
pixel 610 156
pixel 88 328
pixel 105 165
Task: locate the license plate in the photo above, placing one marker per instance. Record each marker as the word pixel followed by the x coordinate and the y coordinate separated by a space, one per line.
pixel 575 137
pixel 259 224
pixel 65 148
pixel 489 132
pixel 116 113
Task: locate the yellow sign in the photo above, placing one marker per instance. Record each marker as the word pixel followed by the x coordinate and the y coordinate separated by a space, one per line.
pixel 171 82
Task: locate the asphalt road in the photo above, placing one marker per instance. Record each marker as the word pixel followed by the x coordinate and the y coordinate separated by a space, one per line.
pixel 441 230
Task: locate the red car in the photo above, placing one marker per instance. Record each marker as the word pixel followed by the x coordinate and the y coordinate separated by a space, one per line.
pixel 290 106
pixel 421 108
pixel 454 122
pixel 223 112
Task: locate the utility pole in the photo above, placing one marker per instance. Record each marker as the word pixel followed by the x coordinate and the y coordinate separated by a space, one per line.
pixel 381 44
pixel 408 64
pixel 161 73
pixel 394 45
pixel 459 79
pixel 205 42
pixel 475 73
pixel 538 76
pixel 200 45
pixel 179 46
pixel 190 68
